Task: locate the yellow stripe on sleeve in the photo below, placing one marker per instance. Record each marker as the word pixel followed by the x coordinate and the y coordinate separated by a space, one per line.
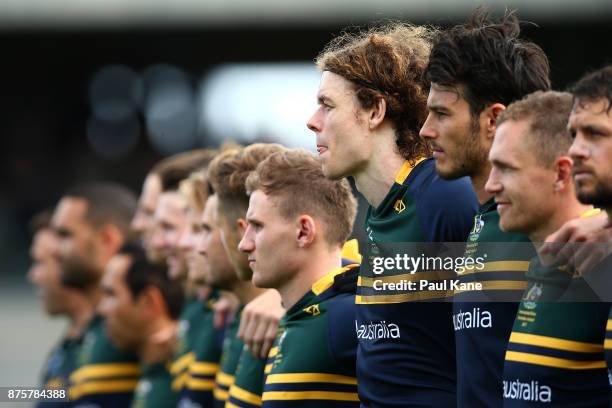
pixel 199 384
pixel 309 395
pixel 203 368
pixel 609 325
pixel 310 378
pixel 224 379
pixel 500 266
pixel 498 285
pixel 220 395
pixel 102 387
pixel 182 363
pixel 244 395
pixel 179 382
pixel 401 298
pixel 95 371
pixel 553 361
pixel 555 343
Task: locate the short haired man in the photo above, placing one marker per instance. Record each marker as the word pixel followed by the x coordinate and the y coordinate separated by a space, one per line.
pixel 590 124
pixel 169 217
pixel 372 102
pixel 222 276
pixel 162 230
pixel 556 346
pixel 199 363
pixel 141 306
pixel 57 300
pixel 165 175
pixel 228 173
pixel 91 222
pixel 298 222
pixel 476 69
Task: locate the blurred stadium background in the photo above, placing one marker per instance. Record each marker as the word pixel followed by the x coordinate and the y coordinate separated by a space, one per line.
pixel 101 89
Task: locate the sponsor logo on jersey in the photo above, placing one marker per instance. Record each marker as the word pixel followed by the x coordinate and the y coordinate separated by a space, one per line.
pixel 530 391
pixel 313 310
pixel 472 319
pixel 399 206
pixel 377 330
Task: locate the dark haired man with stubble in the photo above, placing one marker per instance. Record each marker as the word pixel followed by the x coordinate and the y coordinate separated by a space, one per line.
pixel 475 70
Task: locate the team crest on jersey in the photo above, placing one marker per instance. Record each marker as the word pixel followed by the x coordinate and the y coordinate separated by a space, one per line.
pixel 313 310
pixel 532 296
pixel 477 228
pixel 399 206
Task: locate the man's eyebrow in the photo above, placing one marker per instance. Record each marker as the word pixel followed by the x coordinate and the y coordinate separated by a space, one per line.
pixel 252 220
pixel 61 231
pixel 501 163
pixel 593 128
pixel 323 98
pixel 436 106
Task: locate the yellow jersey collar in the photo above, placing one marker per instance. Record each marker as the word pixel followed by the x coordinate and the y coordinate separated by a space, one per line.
pixel 590 213
pixel 404 172
pixel 327 281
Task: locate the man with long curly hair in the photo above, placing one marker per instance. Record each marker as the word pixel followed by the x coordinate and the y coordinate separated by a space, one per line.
pixel 372 103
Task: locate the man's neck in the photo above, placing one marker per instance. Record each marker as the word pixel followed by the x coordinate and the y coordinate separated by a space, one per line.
pixel 375 181
pixel 478 183
pixel 568 209
pixel 317 266
pixel 93 296
pixel 80 313
pixel 158 346
pixel 245 291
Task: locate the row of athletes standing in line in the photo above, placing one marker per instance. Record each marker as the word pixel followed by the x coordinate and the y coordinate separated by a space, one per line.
pixel 367 125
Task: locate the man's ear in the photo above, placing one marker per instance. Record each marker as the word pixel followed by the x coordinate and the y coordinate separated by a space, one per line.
pixel 563 168
pixel 489 118
pixel 111 239
pixel 151 302
pixel 307 230
pixel 241 225
pixel 377 113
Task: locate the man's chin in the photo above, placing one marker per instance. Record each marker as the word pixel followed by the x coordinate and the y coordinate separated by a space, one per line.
pixel 448 173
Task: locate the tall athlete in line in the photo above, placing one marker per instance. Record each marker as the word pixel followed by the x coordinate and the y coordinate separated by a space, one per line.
pixel 372 103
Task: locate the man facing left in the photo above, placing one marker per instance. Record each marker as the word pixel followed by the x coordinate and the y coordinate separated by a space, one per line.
pixel 298 222
pixel 141 306
pixel 92 224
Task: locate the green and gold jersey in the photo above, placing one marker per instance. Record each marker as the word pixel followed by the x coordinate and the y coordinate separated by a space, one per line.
pixel 555 354
pixel 483 319
pixel 608 350
pixel 60 364
pixel 203 358
pixel 191 326
pixel 406 354
pixel 232 348
pixel 105 376
pixel 246 390
pixel 154 388
pixel 314 356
